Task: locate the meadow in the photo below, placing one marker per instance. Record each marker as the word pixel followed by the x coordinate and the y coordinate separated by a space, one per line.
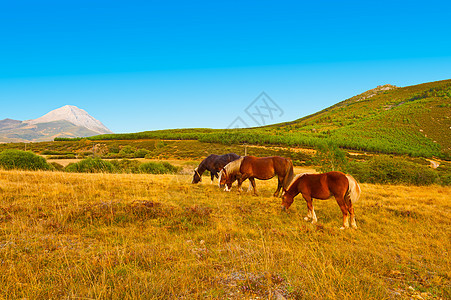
pixel 141 236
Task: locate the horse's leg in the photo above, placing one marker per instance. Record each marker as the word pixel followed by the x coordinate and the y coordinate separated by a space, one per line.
pixel 240 182
pixel 345 211
pixel 250 186
pixel 279 186
pixel 212 176
pixel 311 212
pixel 252 183
pixel 351 212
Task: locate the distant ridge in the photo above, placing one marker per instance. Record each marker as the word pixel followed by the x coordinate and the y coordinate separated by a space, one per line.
pixel 67 121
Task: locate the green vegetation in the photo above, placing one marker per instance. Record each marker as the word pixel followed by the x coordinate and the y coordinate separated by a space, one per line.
pixel 158 168
pixel 97 165
pixel 22 160
pixel 154 149
pixel 382 169
pixel 412 121
pixel 389 170
pixel 378 168
pixel 91 165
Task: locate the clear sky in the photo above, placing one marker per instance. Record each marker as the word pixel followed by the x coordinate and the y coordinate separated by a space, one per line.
pixel 146 65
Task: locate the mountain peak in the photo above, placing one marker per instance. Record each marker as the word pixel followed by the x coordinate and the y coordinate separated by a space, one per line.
pixel 75 115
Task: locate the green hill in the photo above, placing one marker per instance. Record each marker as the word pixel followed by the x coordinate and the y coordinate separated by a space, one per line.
pixel 413 120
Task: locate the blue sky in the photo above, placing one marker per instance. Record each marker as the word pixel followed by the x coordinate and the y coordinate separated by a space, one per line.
pixel 146 65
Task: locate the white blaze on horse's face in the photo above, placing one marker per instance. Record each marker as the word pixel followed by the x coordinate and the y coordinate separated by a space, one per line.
pixel 222 179
pixel 196 173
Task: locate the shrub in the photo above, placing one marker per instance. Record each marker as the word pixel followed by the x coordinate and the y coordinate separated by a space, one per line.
pixel 68 156
pixel 158 168
pixel 141 153
pixel 330 158
pixel 91 165
pixel 127 151
pixel 384 169
pixel 57 167
pixel 50 152
pixel 114 149
pixel 126 165
pixel 444 171
pixel 85 154
pixel 23 160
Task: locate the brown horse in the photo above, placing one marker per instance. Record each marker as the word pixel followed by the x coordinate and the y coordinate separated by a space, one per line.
pixel 343 187
pixel 263 168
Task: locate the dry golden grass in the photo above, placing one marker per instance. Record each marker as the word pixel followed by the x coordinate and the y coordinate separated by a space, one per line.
pixel 97 236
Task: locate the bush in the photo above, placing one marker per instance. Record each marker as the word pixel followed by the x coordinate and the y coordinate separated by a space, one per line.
pixel 114 149
pixel 22 160
pixel 126 165
pixel 56 166
pixel 127 151
pixel 68 156
pixel 384 169
pixel 330 158
pixel 91 165
pixel 50 152
pixel 141 153
pixel 85 154
pixel 158 168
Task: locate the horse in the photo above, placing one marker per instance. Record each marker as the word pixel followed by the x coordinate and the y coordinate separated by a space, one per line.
pixel 213 163
pixel 342 186
pixel 263 168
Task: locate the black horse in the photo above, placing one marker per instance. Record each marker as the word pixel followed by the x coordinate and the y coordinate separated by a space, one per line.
pixel 213 163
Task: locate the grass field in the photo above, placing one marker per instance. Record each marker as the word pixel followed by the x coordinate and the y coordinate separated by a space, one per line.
pixel 129 236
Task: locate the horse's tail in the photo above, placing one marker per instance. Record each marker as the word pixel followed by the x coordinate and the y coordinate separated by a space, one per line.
pixel 289 177
pixel 353 192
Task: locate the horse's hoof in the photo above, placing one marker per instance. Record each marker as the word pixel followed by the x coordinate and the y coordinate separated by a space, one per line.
pixel 306 218
pixel 342 228
pixel 354 226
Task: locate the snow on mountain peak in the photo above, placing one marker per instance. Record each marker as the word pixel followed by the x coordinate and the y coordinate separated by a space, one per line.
pixel 75 115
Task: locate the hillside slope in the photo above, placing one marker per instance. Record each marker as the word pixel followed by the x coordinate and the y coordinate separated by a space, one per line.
pixel 414 118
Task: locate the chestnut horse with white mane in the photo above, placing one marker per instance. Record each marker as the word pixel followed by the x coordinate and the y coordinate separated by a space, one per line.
pixel 343 187
pixel 263 168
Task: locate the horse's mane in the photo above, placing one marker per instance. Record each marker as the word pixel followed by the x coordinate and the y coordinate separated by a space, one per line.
pixel 295 179
pixel 232 167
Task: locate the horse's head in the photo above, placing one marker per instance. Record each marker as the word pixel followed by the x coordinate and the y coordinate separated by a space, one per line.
pixel 287 200
pixel 222 178
pixel 226 180
pixel 196 177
